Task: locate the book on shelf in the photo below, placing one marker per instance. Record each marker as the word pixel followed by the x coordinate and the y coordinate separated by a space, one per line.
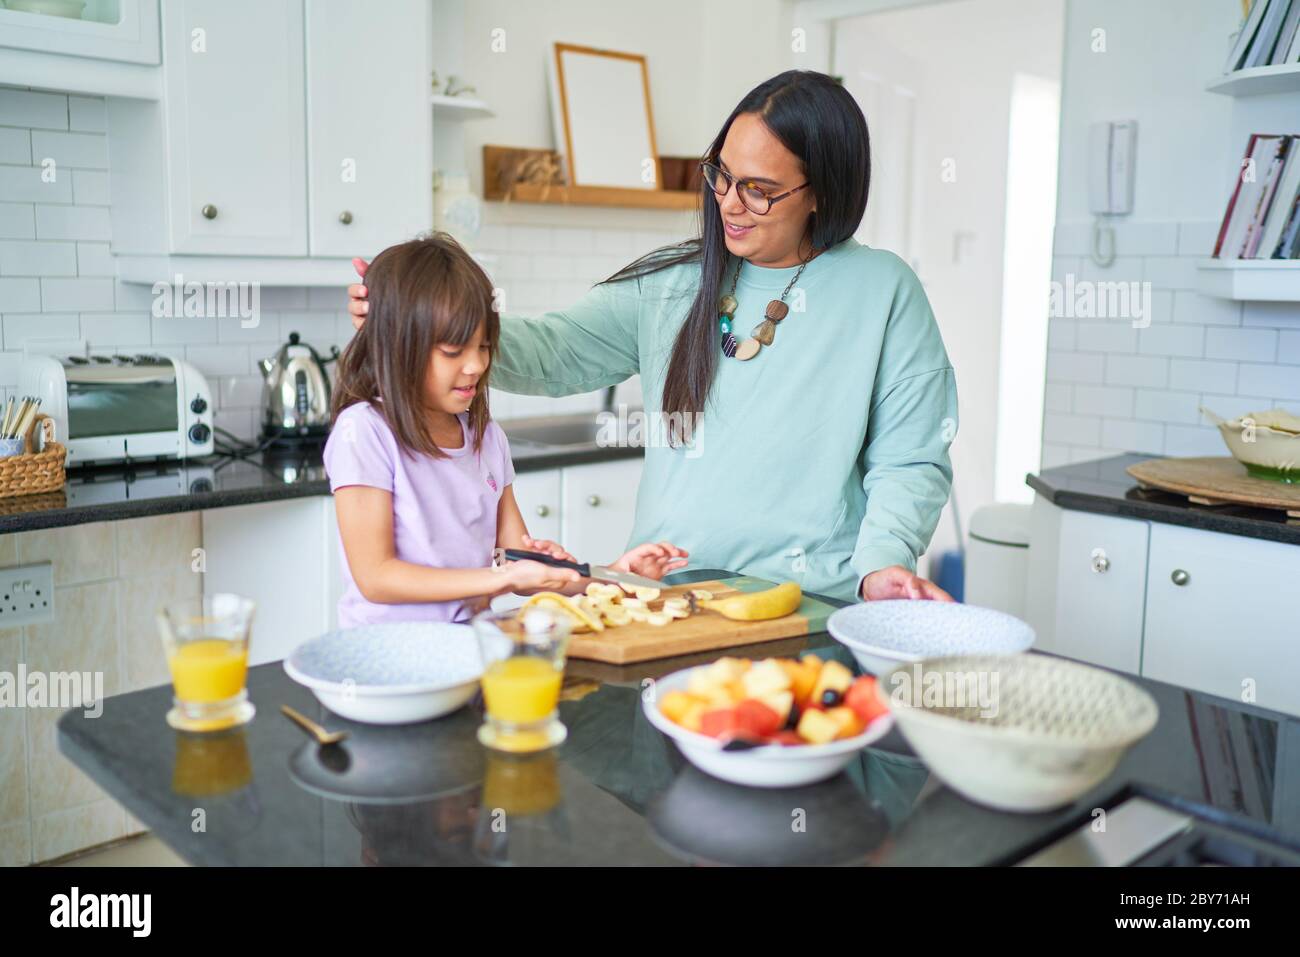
pixel 1285 51
pixel 1269 36
pixel 1259 222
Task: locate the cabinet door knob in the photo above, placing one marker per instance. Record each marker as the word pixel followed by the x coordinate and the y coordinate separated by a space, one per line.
pixel 209 211
pixel 1180 577
pixel 543 511
pixel 593 500
pixel 1100 563
pixel 345 218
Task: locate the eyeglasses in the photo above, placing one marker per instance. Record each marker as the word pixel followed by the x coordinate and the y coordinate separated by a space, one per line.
pixel 755 199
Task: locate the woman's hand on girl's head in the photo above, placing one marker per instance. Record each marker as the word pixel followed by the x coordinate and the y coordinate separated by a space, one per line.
pixel 534 576
pixel 554 549
pixel 358 304
pixel 899 582
pixel 652 560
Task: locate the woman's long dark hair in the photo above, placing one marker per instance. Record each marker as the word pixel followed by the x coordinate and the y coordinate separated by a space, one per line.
pixel 818 121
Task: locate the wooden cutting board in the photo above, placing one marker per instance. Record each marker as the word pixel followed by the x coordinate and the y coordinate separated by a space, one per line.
pixel 1217 480
pixel 703 631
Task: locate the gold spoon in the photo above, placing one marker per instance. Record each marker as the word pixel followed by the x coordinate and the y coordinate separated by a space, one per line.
pixel 322 736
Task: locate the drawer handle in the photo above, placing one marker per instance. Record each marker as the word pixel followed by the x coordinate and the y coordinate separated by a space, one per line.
pixel 209 211
pixel 1100 563
pixel 593 500
pixel 345 218
pixel 543 511
pixel 1180 577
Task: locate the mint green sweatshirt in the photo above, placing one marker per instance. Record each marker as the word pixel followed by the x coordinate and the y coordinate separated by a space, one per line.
pixel 822 459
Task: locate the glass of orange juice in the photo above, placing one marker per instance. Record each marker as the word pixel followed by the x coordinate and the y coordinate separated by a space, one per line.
pixel 206 641
pixel 523 668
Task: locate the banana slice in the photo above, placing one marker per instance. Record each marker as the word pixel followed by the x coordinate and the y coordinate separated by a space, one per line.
pixel 703 594
pixel 647 594
pixel 550 599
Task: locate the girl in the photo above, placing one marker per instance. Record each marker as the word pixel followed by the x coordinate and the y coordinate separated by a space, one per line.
pixel 421 475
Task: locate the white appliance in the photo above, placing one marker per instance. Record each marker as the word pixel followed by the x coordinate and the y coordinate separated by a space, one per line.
pixel 119 408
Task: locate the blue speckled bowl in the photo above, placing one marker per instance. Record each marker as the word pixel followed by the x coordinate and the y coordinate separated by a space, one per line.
pixel 883 633
pixel 390 674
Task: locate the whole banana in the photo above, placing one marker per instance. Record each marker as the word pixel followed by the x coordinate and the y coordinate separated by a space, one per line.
pixel 774 602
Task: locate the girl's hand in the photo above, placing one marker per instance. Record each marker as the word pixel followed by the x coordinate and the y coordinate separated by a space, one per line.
pixel 898 582
pixel 652 560
pixel 534 576
pixel 548 547
pixel 358 304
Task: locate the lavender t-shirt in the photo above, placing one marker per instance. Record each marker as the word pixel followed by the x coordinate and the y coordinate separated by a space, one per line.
pixel 444 510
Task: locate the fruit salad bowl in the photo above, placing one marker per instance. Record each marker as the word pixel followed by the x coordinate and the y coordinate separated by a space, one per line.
pixel 763 765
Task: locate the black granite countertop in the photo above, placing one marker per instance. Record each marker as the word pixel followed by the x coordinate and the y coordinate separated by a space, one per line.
pixel 617 791
pixel 138 490
pixel 1103 486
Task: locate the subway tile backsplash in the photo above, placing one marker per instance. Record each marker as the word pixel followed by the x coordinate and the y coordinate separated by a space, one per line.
pixel 57 279
pixel 1114 385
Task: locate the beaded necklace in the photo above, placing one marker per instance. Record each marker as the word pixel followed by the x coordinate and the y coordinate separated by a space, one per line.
pixel 765 331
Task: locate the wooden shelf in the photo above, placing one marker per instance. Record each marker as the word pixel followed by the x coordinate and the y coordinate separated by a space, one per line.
pixel 1259 80
pixel 602 196
pixel 459 108
pixel 1270 280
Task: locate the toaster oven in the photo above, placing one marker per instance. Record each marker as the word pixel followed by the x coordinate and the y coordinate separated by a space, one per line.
pixel 118 408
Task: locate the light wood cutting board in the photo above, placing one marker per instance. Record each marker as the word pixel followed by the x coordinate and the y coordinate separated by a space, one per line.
pixel 703 631
pixel 1217 480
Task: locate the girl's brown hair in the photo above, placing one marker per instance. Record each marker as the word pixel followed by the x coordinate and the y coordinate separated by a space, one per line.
pixel 422 294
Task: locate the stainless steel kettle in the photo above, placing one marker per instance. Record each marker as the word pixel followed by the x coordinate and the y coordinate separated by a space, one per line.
pixel 296 391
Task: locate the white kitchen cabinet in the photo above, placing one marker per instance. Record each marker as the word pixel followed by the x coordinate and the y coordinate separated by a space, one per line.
pixel 283 555
pixel 368 130
pixel 1193 608
pixel 271 157
pixel 1100 590
pixel 538 497
pixel 1221 616
pixel 125 30
pixel 235 138
pixel 598 508
pixel 219 166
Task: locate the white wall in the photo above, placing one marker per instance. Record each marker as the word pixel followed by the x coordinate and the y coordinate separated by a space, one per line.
pixel 1112 387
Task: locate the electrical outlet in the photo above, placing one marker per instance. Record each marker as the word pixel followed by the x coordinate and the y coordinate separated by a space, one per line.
pixel 26 595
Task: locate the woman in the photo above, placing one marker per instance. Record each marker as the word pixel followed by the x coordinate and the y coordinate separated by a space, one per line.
pixel 813 446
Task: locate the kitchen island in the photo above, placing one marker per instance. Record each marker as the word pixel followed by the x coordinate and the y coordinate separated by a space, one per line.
pixel 617 791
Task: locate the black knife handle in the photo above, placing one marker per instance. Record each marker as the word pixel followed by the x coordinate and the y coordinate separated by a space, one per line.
pixel 519 554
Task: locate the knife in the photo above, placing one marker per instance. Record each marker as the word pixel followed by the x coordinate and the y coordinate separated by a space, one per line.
pixel 601 572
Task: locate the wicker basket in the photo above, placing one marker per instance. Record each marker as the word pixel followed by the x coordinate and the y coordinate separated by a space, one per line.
pixel 32 472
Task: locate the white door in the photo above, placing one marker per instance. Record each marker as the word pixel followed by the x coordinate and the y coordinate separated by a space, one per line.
pixel 538 496
pixel 235 126
pixel 1100 590
pixel 369 124
pixel 598 509
pixel 1222 616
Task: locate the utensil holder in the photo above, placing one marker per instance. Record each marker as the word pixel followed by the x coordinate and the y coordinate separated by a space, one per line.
pixel 32 471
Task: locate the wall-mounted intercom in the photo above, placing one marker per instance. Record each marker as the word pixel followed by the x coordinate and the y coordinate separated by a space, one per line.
pixel 1112 152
